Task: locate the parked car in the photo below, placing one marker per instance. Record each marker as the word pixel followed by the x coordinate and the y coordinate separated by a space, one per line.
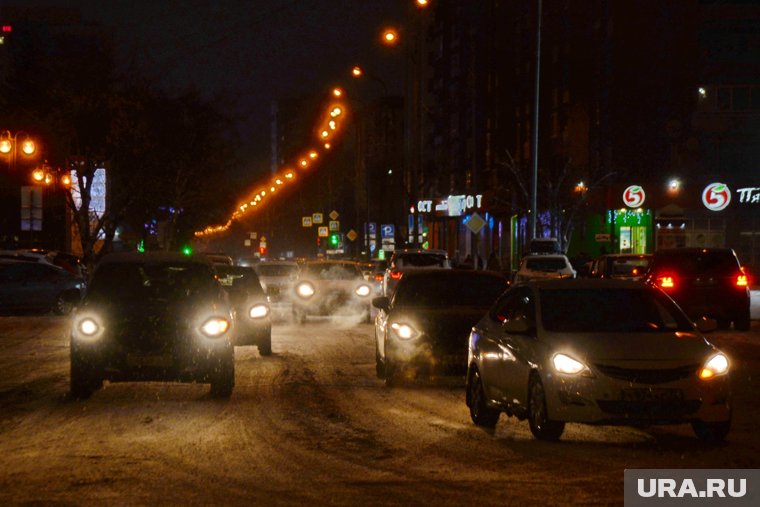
pixel 253 320
pixel 331 287
pixel 621 266
pixel 278 279
pixel 595 352
pixel 38 286
pixel 155 317
pixel 705 282
pixel 542 266
pixel 424 327
pixel 406 260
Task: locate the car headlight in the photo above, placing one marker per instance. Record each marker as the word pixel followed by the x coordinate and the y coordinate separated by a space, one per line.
pixel 88 327
pixel 215 327
pixel 363 290
pixel 305 290
pixel 566 364
pixel 404 331
pixel 258 311
pixel 715 366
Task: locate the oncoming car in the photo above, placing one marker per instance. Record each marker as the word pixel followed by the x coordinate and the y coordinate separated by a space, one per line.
pixel 253 321
pixel 424 328
pixel 331 288
pixel 595 352
pixel 153 317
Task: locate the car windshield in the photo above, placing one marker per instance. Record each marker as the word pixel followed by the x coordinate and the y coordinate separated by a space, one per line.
pixel 236 277
pixel 276 269
pixel 693 263
pixel 338 271
pixel 610 310
pixel 135 281
pixel 420 260
pixel 546 264
pixel 448 291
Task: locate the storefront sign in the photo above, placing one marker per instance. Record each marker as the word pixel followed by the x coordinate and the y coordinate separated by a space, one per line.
pixel 451 206
pixel 634 196
pixel 716 196
pixel 749 195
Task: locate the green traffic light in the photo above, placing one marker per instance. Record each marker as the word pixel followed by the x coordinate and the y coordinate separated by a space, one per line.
pixel 187 250
pixel 334 239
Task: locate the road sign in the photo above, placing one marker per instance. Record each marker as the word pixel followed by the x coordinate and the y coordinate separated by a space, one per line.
pixel 352 235
pixel 333 215
pixel 373 228
pixel 306 221
pixel 334 225
pixel 316 218
pixel 387 231
pixel 323 232
pixel 475 223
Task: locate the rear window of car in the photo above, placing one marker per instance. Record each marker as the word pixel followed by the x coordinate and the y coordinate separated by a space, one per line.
pixel 546 264
pixel 237 277
pixel 276 269
pixel 420 260
pixel 608 310
pixel 449 291
pixel 697 263
pixel 626 266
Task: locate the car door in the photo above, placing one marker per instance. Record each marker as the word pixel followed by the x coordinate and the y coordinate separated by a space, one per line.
pixel 511 353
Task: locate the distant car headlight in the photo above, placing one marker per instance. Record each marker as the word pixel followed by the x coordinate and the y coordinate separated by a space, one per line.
pixel 404 331
pixel 363 290
pixel 87 328
pixel 566 364
pixel 258 311
pixel 305 290
pixel 715 366
pixel 215 327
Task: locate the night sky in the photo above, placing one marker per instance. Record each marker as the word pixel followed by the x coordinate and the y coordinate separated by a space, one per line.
pixel 249 52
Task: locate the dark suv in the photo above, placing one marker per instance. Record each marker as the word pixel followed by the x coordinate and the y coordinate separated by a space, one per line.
pixel 705 282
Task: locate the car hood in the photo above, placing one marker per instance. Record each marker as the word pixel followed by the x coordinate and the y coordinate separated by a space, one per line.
pixel 447 328
pixel 656 347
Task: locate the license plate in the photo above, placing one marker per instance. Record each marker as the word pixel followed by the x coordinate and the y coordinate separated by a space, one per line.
pixel 149 361
pixel 654 394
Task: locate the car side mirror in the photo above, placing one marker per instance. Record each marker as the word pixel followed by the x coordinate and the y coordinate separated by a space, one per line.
pixel 381 303
pixel 517 326
pixel 705 325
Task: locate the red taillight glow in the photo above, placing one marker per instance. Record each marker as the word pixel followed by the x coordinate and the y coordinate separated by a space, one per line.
pixel 666 282
pixel 396 275
pixel 741 281
pixel 378 278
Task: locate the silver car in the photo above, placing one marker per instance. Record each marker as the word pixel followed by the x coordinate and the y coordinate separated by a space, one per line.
pixel 595 352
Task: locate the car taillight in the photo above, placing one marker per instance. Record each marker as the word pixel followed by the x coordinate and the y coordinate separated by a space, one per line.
pixel 741 280
pixel 396 275
pixel 666 282
pixel 378 278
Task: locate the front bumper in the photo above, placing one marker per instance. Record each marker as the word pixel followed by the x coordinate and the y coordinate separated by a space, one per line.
pixel 606 400
pixel 423 355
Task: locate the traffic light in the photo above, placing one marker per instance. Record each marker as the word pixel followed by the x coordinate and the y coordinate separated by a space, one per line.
pixel 263 251
pixel 334 239
pixel 187 250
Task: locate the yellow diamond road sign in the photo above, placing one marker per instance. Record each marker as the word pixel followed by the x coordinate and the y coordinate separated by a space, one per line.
pixel 333 215
pixel 475 223
pixel 352 235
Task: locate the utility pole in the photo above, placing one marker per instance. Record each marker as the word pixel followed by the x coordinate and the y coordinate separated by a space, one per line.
pixel 534 179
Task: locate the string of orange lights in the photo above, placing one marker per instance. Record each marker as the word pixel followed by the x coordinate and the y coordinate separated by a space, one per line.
pixel 328 129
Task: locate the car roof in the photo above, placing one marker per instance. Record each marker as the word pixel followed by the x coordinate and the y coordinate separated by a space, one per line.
pixel 693 250
pixel 583 283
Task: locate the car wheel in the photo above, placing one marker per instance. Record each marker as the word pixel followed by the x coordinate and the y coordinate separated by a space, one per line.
pixel 63 304
pixel 538 416
pixel 223 378
pixel 742 323
pixel 711 431
pixel 265 348
pixel 480 413
pixel 83 378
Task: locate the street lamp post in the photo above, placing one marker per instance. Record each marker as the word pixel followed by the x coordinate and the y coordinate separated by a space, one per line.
pixel 10 144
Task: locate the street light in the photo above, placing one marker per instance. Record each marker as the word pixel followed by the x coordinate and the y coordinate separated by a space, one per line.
pixel 10 144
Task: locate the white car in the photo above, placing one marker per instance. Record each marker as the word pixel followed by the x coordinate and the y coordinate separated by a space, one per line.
pixel 278 279
pixel 409 260
pixel 542 266
pixel 595 352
